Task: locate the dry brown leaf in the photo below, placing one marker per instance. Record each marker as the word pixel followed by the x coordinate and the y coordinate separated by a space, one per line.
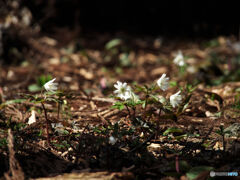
pixel 158 71
pixel 14 114
pixel 86 74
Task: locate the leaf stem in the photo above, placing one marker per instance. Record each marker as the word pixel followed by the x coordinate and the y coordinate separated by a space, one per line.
pixel 128 110
pixel 158 128
pixel 58 111
pixel 47 122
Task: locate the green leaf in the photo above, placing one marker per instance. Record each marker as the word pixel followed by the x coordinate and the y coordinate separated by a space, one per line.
pixel 113 43
pixel 12 102
pixel 212 43
pixel 155 98
pixel 172 130
pixel 43 79
pixel 40 132
pixel 207 144
pixel 181 137
pixel 194 172
pixel 190 88
pixel 184 105
pixel 3 142
pixel 140 88
pixel 118 70
pixel 144 104
pixel 34 88
pixel 124 60
pixel 118 105
pixel 173 83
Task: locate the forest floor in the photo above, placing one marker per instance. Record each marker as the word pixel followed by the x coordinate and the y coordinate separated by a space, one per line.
pixel 203 137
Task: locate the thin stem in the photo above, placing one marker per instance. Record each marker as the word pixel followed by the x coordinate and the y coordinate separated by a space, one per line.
pixel 158 128
pixel 224 143
pixel 47 122
pixel 146 103
pixel 58 111
pixel 149 117
pixel 128 110
pixel 134 112
pixel 41 92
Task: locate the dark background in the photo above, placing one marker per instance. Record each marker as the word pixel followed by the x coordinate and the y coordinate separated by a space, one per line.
pixel 170 18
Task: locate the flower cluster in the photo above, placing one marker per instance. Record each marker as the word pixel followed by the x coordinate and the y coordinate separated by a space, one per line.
pixel 163 83
pixel 125 92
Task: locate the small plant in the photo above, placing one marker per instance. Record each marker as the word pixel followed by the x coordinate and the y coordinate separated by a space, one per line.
pixel 51 88
pixel 116 49
pixel 179 59
pixel 236 104
pixel 152 101
pixel 222 133
pixel 3 142
pixel 180 62
pixel 40 81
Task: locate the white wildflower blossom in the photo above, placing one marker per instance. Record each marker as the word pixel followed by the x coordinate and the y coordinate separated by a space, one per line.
pixel 51 86
pixel 163 83
pixel 75 125
pixel 179 59
pixel 112 140
pixel 175 99
pixel 32 118
pixel 123 90
pixel 56 125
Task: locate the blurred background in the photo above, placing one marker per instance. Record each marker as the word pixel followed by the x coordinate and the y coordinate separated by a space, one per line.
pixel 38 30
pixel 172 18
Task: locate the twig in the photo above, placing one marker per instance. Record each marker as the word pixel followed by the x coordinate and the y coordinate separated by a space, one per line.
pixel 98 99
pixel 14 167
pixel 206 136
pixel 159 114
pixel 224 142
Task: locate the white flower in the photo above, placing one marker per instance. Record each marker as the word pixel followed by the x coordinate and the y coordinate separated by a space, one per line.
pixel 32 118
pixel 75 125
pixel 163 83
pixel 51 86
pixel 175 99
pixel 179 59
pixel 56 125
pixel 112 140
pixel 123 90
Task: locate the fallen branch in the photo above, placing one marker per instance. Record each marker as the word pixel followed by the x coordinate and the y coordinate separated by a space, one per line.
pixel 15 171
